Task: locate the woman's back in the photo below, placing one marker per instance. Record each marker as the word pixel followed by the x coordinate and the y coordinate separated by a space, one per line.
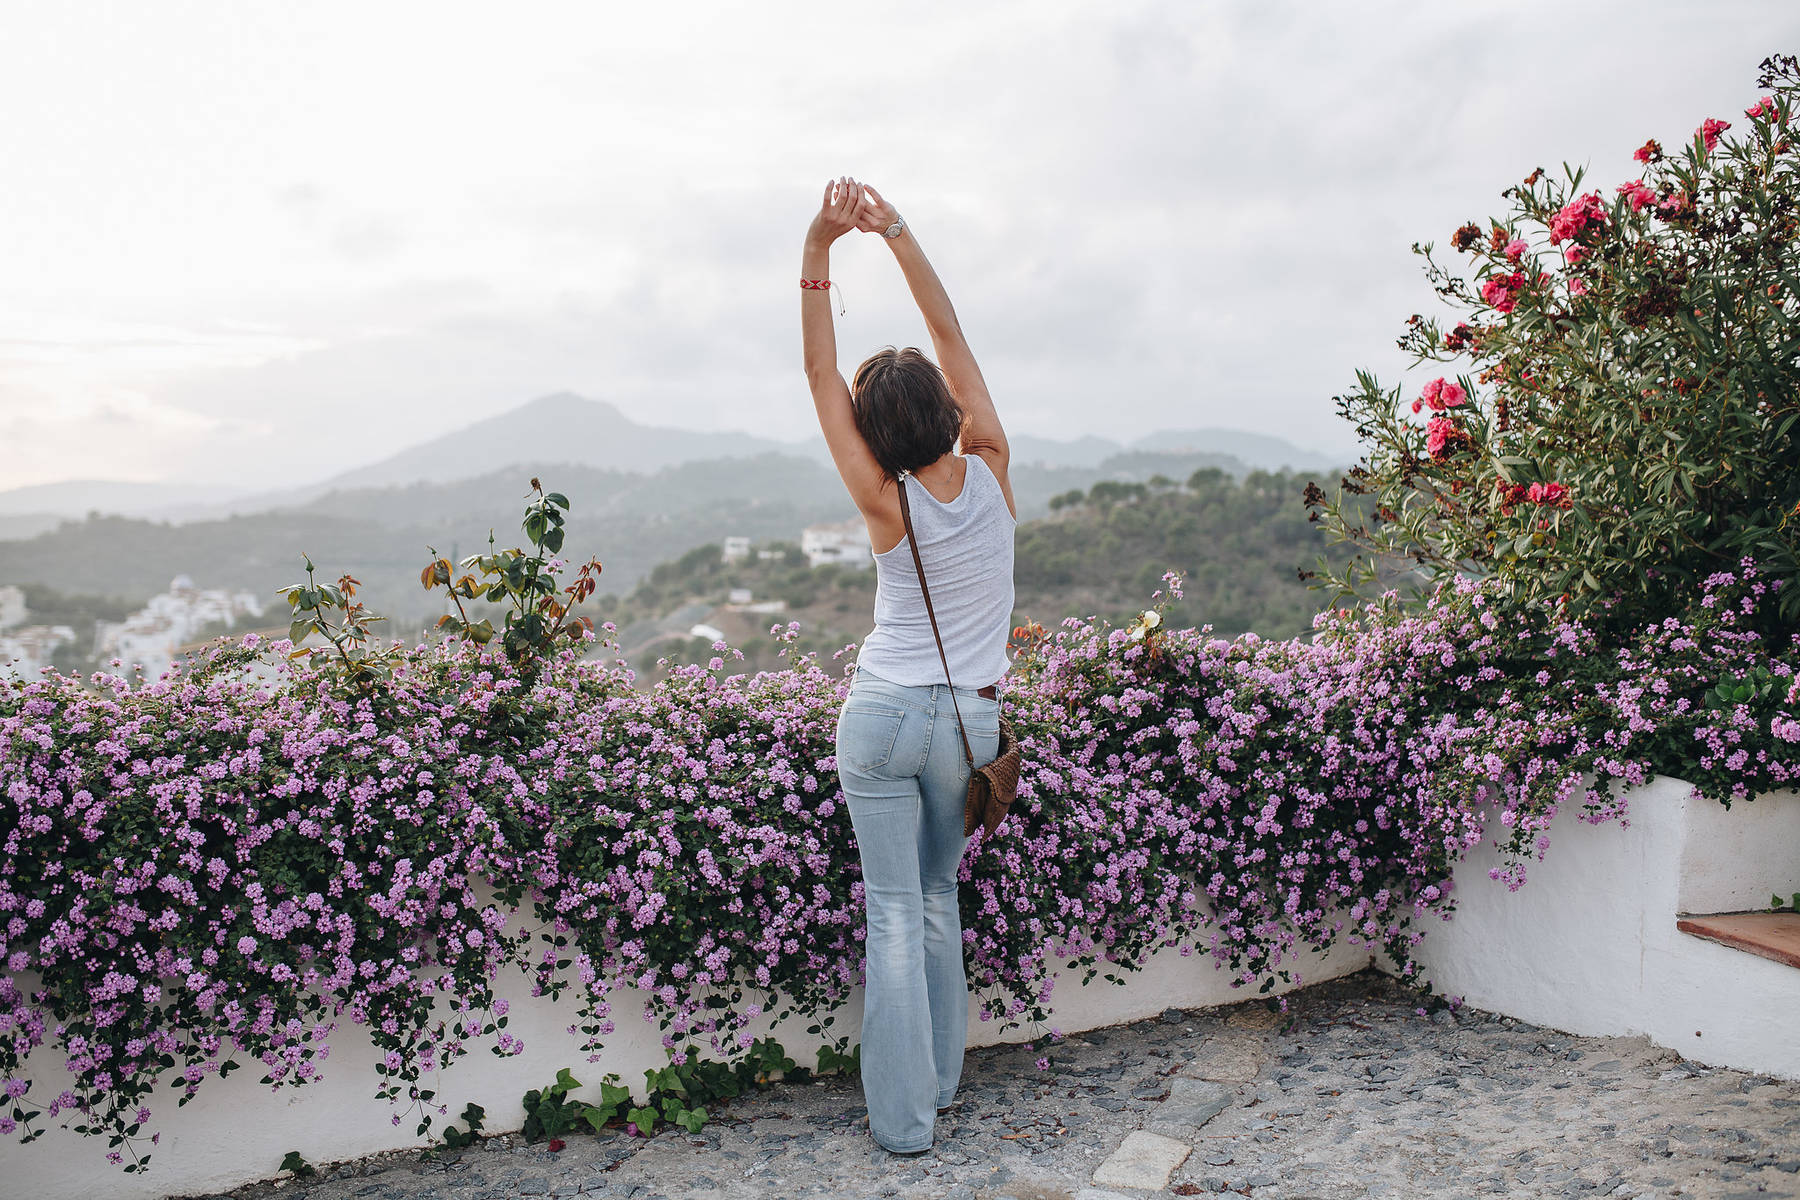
pixel 967 548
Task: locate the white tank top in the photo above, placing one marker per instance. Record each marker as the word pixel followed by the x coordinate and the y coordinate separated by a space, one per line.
pixel 967 548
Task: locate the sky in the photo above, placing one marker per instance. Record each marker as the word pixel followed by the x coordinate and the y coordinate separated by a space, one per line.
pixel 254 243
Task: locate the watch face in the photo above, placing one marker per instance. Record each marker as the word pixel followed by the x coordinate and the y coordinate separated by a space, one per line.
pixel 893 230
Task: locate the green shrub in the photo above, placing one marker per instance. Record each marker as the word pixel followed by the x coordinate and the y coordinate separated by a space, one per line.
pixel 1623 423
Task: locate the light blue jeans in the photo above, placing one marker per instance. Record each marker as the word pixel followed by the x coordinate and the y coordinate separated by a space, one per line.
pixel 905 779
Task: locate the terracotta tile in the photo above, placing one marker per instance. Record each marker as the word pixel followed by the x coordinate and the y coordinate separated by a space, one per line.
pixel 1770 935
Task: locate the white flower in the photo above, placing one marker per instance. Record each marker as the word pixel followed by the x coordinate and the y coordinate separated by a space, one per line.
pixel 1151 618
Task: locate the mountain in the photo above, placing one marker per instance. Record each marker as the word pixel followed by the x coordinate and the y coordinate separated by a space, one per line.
pixel 596 434
pixel 1258 450
pixel 588 433
pixel 630 521
pixel 78 497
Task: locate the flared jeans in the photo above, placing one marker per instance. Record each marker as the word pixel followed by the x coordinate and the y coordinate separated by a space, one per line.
pixel 905 779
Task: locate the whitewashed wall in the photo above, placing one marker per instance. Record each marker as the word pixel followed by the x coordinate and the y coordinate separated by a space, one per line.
pixel 235 1130
pixel 1589 944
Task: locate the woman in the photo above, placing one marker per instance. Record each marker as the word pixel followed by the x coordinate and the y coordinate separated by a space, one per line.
pixel 899 752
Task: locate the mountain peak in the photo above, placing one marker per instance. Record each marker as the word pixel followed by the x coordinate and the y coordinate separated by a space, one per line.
pixel 566 404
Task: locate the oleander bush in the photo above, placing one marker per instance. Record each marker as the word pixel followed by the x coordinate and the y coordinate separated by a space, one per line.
pixel 223 866
pixel 1624 417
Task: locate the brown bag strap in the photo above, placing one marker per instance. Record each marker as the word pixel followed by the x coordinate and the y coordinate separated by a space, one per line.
pixel 906 519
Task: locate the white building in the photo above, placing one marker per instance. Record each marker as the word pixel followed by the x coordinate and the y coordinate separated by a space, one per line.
pixel 27 649
pixel 148 637
pixel 736 549
pixel 845 542
pixel 12 607
pixel 738 596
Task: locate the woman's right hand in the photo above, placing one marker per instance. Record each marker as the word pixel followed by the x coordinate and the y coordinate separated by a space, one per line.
pixel 877 214
pixel 839 213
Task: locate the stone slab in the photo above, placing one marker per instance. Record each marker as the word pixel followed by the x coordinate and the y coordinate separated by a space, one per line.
pixel 1766 935
pixel 1191 1104
pixel 1227 1059
pixel 1143 1161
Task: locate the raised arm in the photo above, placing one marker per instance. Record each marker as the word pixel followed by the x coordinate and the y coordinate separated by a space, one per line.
pixel 862 475
pixel 982 432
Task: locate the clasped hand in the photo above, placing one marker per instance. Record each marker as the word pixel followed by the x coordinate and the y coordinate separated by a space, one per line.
pixel 850 205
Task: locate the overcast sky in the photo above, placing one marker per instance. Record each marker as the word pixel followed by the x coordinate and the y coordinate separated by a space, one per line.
pixel 253 242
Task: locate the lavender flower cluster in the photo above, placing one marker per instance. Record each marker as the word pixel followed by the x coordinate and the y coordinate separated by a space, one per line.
pixel 215 865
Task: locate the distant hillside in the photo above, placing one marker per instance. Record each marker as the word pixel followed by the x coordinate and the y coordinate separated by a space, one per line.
pixel 632 520
pixel 1259 451
pixel 1103 552
pixel 588 433
pixel 596 435
pixel 78 497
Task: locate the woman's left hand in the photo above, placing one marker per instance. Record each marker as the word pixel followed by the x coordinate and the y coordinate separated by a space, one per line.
pixel 839 213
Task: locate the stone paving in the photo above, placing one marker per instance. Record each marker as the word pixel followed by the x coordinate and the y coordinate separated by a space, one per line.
pixel 1350 1094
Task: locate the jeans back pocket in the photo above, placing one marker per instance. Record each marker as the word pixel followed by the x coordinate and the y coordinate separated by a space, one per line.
pixel 866 733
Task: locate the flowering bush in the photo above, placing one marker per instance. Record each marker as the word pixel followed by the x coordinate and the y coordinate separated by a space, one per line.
pixel 215 865
pixel 1628 419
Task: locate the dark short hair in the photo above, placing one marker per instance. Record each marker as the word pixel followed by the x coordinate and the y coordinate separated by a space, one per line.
pixel 904 410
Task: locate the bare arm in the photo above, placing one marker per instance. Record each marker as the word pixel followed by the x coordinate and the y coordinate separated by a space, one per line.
pixel 982 433
pixel 862 475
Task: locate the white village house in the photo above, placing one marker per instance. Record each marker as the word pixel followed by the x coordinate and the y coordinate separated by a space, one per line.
pixel 150 636
pixel 25 649
pixel 844 542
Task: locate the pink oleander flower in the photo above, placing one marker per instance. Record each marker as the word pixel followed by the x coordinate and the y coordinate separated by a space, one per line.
pixel 1444 434
pixel 1441 394
pixel 1578 287
pixel 1550 495
pixel 1649 152
pixel 1515 249
pixel 1501 292
pixel 1709 132
pixel 1639 194
pixel 1575 253
pixel 1576 217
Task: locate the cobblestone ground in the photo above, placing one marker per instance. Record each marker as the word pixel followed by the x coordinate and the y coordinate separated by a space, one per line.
pixel 1351 1094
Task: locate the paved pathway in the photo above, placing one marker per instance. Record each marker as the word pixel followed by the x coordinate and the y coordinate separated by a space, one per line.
pixel 1352 1095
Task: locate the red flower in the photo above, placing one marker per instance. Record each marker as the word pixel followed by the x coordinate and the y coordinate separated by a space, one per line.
pixel 1649 152
pixel 556 1145
pixel 1441 394
pixel 1575 218
pixel 1709 131
pixel 1550 495
pixel 1640 194
pixel 1444 436
pixel 1501 292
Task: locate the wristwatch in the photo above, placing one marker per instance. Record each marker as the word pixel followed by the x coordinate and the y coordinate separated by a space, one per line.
pixel 893 231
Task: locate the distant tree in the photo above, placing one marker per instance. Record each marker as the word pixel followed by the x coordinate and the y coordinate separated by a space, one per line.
pixel 1112 491
pixel 1068 499
pixel 1206 479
